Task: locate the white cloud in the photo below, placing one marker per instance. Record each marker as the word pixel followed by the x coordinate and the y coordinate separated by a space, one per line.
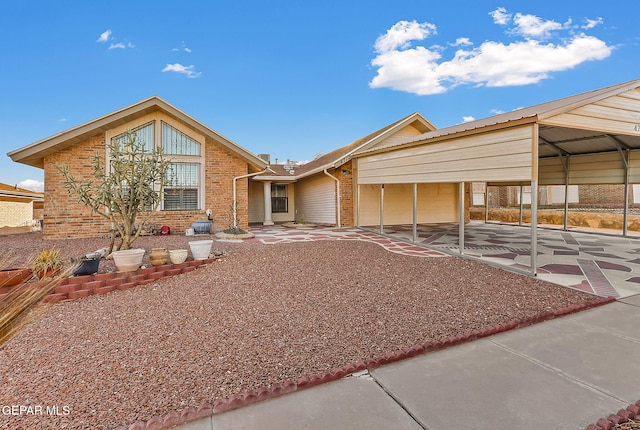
pixel 532 27
pixel 592 23
pixel 62 120
pixel 468 119
pixel 179 68
pixel 182 47
pixel 529 59
pixel 31 184
pixel 500 16
pixel 121 45
pixel 402 33
pixel 462 41
pixel 104 36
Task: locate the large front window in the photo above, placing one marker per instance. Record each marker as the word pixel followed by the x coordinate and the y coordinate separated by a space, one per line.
pixel 183 184
pixel 183 189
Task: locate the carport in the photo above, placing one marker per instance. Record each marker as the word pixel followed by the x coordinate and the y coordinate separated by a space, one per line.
pixel 590 138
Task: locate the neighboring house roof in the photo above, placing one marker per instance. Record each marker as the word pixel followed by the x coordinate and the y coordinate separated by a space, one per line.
pixel 343 154
pixel 15 194
pixel 34 153
pixel 536 113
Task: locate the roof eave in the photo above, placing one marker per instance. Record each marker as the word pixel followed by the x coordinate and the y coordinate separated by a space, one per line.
pixel 34 153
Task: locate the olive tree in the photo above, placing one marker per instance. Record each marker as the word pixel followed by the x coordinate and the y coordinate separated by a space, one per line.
pixel 127 190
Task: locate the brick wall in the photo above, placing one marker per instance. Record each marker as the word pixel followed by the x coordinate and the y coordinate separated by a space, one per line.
pixel 15 212
pixel 344 174
pixel 65 217
pixel 220 168
pixel 603 194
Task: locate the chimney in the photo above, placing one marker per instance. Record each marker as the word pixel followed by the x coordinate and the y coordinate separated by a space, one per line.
pixel 265 157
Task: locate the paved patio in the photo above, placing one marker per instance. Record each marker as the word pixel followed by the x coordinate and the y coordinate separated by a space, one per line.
pixel 599 264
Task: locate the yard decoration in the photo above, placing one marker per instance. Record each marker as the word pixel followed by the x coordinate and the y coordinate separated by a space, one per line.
pixel 128 260
pixel 88 264
pixel 14 276
pixel 158 256
pixel 200 249
pixel 128 187
pixel 48 263
pixel 178 256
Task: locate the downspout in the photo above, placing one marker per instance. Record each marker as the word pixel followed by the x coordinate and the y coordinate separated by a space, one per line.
pixel 235 209
pixel 337 194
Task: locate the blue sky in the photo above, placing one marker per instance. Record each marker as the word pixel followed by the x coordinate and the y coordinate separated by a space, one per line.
pixel 299 78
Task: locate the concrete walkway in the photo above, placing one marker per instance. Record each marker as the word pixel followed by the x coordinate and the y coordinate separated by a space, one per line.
pixel 565 373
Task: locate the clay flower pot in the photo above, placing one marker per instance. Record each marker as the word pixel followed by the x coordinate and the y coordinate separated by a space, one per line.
pixel 128 260
pixel 200 249
pixel 178 256
pixel 14 276
pixel 158 256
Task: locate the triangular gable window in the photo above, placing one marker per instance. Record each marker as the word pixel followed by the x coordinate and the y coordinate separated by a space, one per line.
pixel 175 142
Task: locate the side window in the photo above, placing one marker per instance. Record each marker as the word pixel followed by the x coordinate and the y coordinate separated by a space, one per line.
pixel 279 200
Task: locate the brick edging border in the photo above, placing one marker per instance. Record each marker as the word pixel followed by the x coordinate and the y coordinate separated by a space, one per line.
pixel 622 416
pixel 289 386
pixel 76 287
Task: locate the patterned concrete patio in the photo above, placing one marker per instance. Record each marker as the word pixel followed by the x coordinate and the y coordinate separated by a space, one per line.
pixel 599 264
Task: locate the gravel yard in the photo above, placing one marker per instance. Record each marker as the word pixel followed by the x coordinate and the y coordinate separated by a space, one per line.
pixel 260 315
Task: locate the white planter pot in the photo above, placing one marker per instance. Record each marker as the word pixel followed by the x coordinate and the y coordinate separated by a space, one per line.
pixel 128 260
pixel 200 249
pixel 178 256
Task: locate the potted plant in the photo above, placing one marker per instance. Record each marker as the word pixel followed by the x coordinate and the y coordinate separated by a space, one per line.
pixel 88 264
pixel 128 260
pixel 48 263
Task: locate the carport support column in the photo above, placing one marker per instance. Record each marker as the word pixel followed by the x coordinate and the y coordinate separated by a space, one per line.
pixel 534 228
pixel 267 203
pixel 415 213
pixel 461 220
pixel 381 208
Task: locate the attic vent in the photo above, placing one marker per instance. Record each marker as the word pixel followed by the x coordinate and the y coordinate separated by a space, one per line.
pixel 265 157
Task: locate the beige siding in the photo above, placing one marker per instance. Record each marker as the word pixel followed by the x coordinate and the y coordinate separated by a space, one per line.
pixel 256 202
pixel 316 200
pixel 617 114
pixel 604 168
pixel 551 171
pixel 436 203
pixel 634 167
pixel 401 136
pixel 369 213
pixel 501 155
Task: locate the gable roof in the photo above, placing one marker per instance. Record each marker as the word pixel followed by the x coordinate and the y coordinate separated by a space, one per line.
pixel 34 153
pixel 343 154
pixel 14 193
pixel 536 113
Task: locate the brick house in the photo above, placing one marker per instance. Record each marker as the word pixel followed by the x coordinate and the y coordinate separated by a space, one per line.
pixel 209 167
pixel 214 172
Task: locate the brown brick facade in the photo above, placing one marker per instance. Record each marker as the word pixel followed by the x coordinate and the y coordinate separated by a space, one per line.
pixel 345 175
pixel 65 217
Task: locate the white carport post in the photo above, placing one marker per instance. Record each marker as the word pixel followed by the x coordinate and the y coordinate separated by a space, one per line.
pixel 521 205
pixel 381 208
pixel 415 213
pixel 461 215
pixel 534 228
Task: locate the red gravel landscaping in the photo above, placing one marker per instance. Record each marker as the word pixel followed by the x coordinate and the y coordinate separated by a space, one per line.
pixel 261 315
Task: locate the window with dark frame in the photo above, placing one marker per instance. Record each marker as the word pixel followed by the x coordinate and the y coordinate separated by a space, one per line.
pixel 279 200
